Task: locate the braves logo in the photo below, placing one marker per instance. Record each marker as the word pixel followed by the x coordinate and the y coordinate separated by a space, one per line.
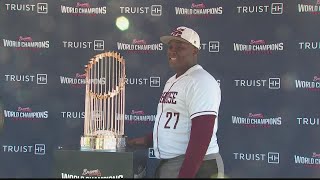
pixel 257 42
pixel 95 172
pixel 177 32
pixel 316 78
pixel 255 115
pixel 27 109
pixel 83 5
pixel 25 38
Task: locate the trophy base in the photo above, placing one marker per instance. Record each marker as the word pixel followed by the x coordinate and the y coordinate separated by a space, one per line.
pixel 103 142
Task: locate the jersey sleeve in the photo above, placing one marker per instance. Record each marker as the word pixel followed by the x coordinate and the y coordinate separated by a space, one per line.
pixel 203 97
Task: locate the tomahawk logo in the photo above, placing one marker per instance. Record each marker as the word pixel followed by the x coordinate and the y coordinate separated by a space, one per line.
pixel 178 32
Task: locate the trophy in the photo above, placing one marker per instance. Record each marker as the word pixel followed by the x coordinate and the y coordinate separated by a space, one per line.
pixel 104 103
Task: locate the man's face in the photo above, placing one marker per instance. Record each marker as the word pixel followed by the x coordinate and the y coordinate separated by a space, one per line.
pixel 180 55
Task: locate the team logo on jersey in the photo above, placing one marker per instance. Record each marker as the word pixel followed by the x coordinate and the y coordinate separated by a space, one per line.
pixel 256 120
pixel 84 9
pixel 308 121
pixel 274 8
pixel 25 113
pixel 199 10
pixel 312 161
pixel 312 8
pixel 139 46
pixel 313 45
pixel 168 97
pixel 258 47
pixel 270 157
pixel 313 85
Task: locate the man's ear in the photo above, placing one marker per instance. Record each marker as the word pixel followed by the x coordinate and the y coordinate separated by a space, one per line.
pixel 195 51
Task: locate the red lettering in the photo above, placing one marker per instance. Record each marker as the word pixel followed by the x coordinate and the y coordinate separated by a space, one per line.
pixel 168 98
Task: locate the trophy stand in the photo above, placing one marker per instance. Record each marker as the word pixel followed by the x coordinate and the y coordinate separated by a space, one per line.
pixel 104 103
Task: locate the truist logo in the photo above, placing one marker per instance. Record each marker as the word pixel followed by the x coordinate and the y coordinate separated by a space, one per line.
pixel 199 10
pixel 139 117
pixel 36 149
pixel 41 8
pixel 274 8
pixel 83 9
pixel 72 115
pixel 211 46
pixel 270 157
pixel 154 10
pixel 99 115
pixel 97 45
pixel 139 46
pixel 26 43
pixel 310 8
pixel 38 78
pixel 78 81
pixel 257 47
pixel 87 172
pixel 151 81
pixel 313 85
pixel 256 120
pixel 312 161
pixel 313 45
pixel 25 113
pixel 308 121
pixel 271 83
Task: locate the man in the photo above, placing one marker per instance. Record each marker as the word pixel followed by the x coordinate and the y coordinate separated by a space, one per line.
pixel 184 134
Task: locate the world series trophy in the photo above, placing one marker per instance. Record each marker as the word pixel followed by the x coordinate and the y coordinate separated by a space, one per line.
pixel 104 103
